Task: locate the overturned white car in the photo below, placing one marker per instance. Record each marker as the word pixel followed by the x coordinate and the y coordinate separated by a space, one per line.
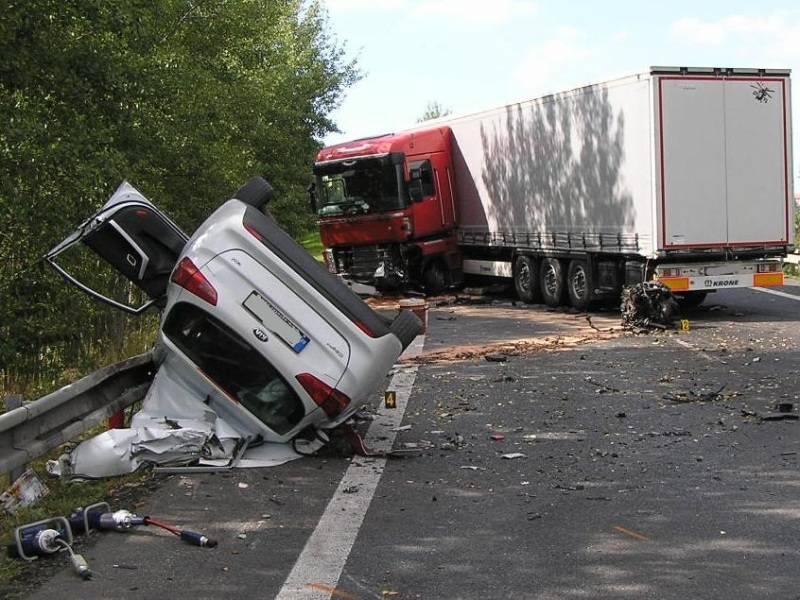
pixel 253 330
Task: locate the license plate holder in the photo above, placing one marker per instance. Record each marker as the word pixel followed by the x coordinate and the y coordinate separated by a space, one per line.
pixel 271 317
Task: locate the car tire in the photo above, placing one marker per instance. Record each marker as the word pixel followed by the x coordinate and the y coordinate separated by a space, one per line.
pixel 256 192
pixel 435 277
pixel 553 284
pixel 406 327
pixel 579 284
pixel 689 300
pixel 526 281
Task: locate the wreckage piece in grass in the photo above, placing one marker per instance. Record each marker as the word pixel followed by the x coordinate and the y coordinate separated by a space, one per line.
pixel 259 331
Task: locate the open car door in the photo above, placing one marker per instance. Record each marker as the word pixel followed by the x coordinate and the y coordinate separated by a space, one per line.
pixel 135 239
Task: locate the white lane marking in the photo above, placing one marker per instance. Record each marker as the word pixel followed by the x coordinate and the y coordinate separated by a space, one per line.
pixel 777 293
pixel 702 353
pixel 326 551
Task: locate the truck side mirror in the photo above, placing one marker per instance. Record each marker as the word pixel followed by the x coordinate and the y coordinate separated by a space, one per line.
pixel 312 197
pixel 415 190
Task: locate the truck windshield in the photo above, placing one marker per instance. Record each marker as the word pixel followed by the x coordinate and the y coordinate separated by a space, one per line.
pixel 360 187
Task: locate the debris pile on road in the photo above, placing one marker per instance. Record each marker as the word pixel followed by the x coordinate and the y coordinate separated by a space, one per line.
pixel 648 305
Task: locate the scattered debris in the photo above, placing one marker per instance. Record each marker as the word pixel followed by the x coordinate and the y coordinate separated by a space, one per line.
pixel 26 491
pixel 331 591
pixel 780 416
pixel 602 388
pixel 453 442
pixel 401 428
pixel 648 305
pixel 692 396
pixel 496 358
pixel 513 455
pixel 633 534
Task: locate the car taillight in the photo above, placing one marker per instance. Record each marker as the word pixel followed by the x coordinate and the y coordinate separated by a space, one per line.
pixel 365 329
pixel 189 277
pixel 253 231
pixel 332 401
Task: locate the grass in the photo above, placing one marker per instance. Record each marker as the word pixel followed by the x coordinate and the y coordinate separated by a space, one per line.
pixel 313 244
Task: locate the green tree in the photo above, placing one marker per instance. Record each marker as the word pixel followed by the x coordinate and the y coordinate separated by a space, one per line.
pixel 434 110
pixel 186 99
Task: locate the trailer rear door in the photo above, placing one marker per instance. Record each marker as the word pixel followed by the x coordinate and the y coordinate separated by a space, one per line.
pixel 756 160
pixel 723 161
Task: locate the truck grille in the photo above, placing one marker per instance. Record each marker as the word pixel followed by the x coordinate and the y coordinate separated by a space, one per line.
pixel 360 262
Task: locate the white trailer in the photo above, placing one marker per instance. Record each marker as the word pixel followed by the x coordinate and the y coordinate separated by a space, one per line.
pixel 679 174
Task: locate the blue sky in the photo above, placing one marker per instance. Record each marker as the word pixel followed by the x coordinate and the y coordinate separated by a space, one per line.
pixel 471 55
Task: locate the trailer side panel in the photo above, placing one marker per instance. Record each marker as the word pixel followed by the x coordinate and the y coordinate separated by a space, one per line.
pixel 568 171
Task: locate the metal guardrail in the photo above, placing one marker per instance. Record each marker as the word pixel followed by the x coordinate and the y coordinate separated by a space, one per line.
pixel 35 428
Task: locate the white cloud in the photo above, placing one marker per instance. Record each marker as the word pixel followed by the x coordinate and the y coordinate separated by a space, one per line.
pixel 476 11
pixel 621 37
pixel 543 67
pixel 771 37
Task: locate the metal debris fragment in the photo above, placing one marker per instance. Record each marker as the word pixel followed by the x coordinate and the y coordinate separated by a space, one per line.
pixel 648 305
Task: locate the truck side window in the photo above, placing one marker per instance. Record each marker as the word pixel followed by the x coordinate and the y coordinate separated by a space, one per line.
pixel 422 176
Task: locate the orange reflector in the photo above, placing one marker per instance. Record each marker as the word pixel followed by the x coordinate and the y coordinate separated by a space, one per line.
pixel 676 284
pixel 767 279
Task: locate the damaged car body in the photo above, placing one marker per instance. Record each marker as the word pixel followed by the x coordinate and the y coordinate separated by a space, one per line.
pixel 253 328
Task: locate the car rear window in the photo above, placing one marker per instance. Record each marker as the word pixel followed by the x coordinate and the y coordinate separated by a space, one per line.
pixel 235 366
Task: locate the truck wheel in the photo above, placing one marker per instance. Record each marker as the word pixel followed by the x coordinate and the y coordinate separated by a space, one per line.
pixel 526 282
pixel 690 299
pixel 435 277
pixel 551 276
pixel 579 284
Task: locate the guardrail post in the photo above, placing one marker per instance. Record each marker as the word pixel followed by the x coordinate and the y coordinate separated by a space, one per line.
pixel 11 402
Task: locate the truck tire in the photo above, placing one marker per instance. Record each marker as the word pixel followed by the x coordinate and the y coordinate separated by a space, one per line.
pixel 689 300
pixel 553 282
pixel 435 277
pixel 579 284
pixel 526 281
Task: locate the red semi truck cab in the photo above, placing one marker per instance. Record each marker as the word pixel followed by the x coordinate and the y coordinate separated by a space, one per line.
pixel 387 215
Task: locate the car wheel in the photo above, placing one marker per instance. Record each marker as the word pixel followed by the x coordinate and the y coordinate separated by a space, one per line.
pixel 551 277
pixel 689 300
pixel 526 282
pixel 579 284
pixel 435 277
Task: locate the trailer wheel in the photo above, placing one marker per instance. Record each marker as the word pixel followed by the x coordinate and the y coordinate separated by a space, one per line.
pixel 579 284
pixel 690 299
pixel 435 277
pixel 526 282
pixel 551 276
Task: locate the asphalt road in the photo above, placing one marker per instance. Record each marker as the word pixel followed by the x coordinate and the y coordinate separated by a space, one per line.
pixel 641 475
